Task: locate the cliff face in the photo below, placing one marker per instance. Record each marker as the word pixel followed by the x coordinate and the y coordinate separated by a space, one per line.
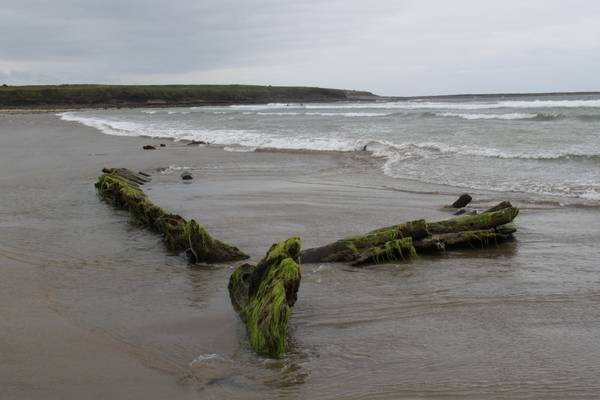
pixel 152 95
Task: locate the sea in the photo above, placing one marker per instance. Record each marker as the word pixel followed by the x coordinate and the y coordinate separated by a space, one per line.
pixel 545 146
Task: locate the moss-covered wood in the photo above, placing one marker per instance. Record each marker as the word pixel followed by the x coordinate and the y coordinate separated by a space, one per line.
pixel 404 241
pixel 121 188
pixel 263 295
pixel 486 220
pixel 350 249
pixel 401 249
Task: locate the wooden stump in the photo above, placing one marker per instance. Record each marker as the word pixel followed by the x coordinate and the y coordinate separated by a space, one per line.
pixel 264 294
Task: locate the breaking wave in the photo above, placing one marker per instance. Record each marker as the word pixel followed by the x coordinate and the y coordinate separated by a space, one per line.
pixel 396 154
pixel 326 114
pixel 429 149
pixel 508 116
pixel 255 139
pixel 417 104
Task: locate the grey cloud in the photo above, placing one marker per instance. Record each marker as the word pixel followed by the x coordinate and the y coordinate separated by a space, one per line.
pixel 391 47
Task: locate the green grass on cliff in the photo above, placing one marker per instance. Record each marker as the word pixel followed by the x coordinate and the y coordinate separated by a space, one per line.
pixel 142 95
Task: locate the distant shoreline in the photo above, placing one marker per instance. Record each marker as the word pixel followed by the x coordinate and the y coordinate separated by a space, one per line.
pixel 66 97
pixel 488 95
pixel 61 98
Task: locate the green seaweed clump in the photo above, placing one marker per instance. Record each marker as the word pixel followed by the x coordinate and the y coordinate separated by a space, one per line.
pixel 264 294
pixel 404 241
pixel 394 250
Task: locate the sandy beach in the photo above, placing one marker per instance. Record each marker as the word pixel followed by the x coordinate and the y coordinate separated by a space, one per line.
pixel 93 307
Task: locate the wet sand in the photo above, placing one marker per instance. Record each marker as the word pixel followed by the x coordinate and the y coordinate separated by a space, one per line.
pixel 93 307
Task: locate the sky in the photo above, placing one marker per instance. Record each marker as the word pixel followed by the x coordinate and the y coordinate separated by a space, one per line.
pixel 389 47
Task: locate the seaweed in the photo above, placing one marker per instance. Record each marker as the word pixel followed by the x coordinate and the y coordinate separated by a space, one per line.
pixel 264 294
pixel 121 188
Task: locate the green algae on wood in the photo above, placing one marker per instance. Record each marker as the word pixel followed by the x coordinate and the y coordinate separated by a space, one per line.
pixel 486 220
pixel 121 188
pixel 264 294
pixel 401 249
pixel 388 244
pixel 350 249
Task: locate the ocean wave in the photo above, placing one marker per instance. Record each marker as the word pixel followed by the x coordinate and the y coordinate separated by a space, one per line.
pixel 277 113
pixel 110 127
pixel 174 168
pixel 172 112
pixel 488 152
pixel 508 116
pixel 417 104
pixel 324 114
pixel 255 139
pixel 396 155
pixel 239 149
pixel 348 114
pixel 590 194
pixel 221 137
pixel 588 117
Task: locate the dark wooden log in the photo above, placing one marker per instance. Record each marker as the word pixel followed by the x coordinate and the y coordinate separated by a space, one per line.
pixel 350 249
pixel 401 249
pixel 499 206
pixel 387 244
pixel 121 188
pixel 481 221
pixel 464 239
pixel 263 296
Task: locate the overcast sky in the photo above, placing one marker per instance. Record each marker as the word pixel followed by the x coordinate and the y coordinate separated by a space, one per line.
pixel 390 47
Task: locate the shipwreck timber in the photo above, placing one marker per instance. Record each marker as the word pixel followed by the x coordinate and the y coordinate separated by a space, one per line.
pixel 122 188
pixel 264 294
pixel 403 241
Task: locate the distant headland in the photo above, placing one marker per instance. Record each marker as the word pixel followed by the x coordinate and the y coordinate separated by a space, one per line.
pixel 95 96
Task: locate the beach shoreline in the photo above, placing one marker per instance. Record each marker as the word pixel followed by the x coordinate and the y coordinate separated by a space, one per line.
pixel 76 270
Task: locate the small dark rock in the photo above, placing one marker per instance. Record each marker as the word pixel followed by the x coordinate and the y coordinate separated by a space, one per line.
pixel 149 147
pixel 462 201
pixel 163 145
pixel 186 176
pixel 197 142
pixel 460 212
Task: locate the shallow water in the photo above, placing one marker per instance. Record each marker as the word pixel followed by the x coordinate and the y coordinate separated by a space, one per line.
pixel 517 321
pixel 546 145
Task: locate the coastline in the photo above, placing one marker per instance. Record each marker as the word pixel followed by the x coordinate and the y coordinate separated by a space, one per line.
pixel 105 96
pixel 72 264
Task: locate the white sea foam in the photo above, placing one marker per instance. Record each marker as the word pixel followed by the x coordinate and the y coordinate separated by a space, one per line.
pixel 321 114
pixel 206 357
pixel 239 149
pixel 173 168
pixel 591 194
pixel 348 114
pixel 110 127
pixel 509 116
pixel 173 112
pixel 224 137
pixel 255 139
pixel 277 113
pixel 400 156
pixel 430 105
